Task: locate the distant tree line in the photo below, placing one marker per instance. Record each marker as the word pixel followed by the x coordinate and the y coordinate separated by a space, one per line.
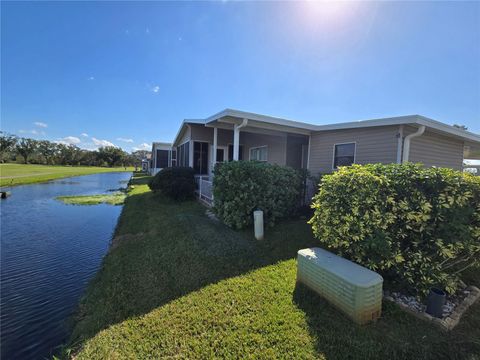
pixel 25 150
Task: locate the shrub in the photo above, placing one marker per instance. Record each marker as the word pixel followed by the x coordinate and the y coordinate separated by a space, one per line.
pixel 418 227
pixel 175 182
pixel 240 187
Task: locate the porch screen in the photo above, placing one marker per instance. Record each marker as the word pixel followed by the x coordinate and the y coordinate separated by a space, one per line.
pixel 200 158
pixel 183 155
pixel 162 159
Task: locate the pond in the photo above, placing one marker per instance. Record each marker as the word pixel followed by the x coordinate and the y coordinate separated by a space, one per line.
pixel 49 252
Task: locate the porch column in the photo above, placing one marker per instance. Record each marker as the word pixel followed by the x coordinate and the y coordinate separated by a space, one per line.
pixel 236 142
pixel 214 150
pixel 236 138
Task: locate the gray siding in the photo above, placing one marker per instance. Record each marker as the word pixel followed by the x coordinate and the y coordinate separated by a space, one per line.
pixel 433 149
pixel 277 145
pixel 373 145
pixel 185 137
pixel 294 150
pixel 276 153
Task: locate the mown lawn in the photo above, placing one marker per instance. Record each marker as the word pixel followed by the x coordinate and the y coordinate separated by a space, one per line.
pixel 177 284
pixel 20 174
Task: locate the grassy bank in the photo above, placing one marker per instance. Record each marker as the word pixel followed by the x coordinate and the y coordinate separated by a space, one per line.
pixel 116 198
pixel 20 174
pixel 177 284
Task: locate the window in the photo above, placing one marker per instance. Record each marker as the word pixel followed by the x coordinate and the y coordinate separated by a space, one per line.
pixel 200 158
pixel 230 152
pixel 220 155
pixel 344 155
pixel 162 159
pixel 258 153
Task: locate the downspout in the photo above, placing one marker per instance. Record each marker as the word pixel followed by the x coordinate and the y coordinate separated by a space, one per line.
pixel 236 138
pixel 243 124
pixel 399 144
pixel 406 142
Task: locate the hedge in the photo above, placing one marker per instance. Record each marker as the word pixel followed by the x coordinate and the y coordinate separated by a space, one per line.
pixel 418 227
pixel 240 187
pixel 175 182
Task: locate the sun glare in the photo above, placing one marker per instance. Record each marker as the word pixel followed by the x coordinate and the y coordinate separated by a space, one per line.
pixel 329 11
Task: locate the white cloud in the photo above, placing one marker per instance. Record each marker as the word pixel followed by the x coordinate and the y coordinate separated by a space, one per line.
pixel 84 134
pixel 99 142
pixel 143 146
pixel 91 78
pixel 71 140
pixel 125 140
pixel 156 89
pixel 33 132
pixel 147 31
pixel 40 124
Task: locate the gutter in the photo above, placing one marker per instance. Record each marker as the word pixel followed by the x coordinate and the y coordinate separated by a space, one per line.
pixel 406 142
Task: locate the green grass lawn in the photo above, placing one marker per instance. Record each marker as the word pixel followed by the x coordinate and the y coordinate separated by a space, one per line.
pixel 20 174
pixel 178 285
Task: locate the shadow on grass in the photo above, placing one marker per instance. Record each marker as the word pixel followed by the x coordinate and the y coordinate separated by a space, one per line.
pixel 396 335
pixel 166 250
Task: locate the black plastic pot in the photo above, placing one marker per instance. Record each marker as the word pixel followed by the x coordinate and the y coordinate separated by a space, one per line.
pixel 435 301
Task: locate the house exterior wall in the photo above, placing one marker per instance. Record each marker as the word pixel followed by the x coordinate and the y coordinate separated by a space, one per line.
pixel 294 151
pixel 276 146
pixel 373 145
pixel 186 136
pixel 432 149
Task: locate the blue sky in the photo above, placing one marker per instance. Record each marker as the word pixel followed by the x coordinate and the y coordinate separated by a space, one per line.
pixel 129 73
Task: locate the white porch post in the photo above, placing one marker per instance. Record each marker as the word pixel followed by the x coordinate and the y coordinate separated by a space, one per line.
pixel 236 138
pixel 214 154
pixel 236 142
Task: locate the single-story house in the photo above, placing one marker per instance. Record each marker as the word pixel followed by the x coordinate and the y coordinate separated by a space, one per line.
pixel 239 135
pixel 162 156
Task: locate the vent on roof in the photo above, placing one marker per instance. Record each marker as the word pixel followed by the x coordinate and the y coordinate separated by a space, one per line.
pixel 355 290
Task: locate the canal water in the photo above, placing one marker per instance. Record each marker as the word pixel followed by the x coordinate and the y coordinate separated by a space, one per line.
pixel 49 252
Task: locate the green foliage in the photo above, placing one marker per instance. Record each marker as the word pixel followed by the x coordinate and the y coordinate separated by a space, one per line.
pixel 175 182
pixel 240 187
pixel 26 147
pixel 7 143
pixel 112 155
pixel 418 227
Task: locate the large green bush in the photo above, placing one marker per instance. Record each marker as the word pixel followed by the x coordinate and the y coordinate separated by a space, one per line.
pixel 418 227
pixel 240 187
pixel 175 182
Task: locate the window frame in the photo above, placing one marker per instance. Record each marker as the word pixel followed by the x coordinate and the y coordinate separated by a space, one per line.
pixel 258 147
pixel 344 143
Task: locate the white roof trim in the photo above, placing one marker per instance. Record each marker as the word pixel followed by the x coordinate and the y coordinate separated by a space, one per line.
pixel 262 118
pixel 186 122
pixel 399 120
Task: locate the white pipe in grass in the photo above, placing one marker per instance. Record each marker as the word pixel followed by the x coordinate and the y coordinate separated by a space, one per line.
pixel 258 224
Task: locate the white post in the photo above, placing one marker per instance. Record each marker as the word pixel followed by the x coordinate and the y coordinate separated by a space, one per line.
pixel 214 154
pixel 236 142
pixel 258 224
